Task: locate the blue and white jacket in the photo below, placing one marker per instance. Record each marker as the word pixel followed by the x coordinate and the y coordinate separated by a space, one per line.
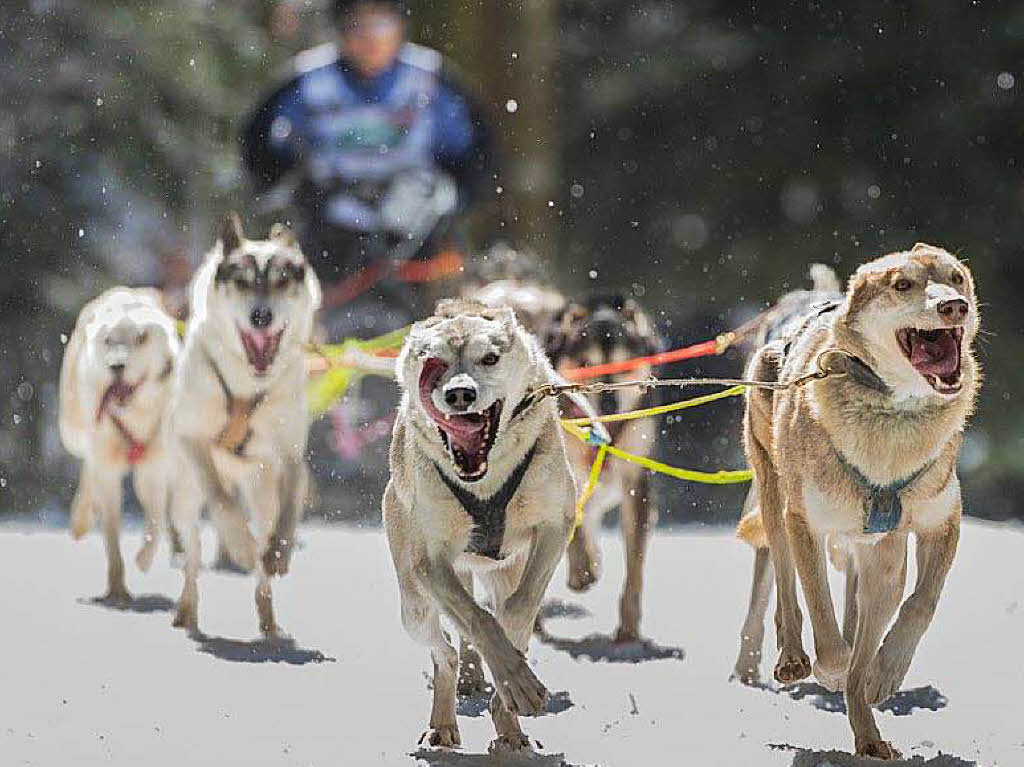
pixel 348 136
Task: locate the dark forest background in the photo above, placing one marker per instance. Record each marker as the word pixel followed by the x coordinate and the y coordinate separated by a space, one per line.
pixel 698 155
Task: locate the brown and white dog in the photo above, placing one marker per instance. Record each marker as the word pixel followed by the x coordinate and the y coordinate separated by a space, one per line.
pixel 115 382
pixel 860 461
pixel 238 421
pixel 595 331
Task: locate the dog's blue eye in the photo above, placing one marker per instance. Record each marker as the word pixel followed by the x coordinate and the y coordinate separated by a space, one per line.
pixel 903 284
pixel 489 359
pixel 958 279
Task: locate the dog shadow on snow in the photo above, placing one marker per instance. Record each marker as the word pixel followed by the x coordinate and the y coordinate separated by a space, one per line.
pixel 143 603
pixel 446 758
pixel 902 703
pixel 805 757
pixel 598 647
pixel 277 650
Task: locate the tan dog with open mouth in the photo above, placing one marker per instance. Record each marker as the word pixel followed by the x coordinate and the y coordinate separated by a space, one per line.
pixel 860 461
pixel 115 382
pixel 238 411
pixel 480 486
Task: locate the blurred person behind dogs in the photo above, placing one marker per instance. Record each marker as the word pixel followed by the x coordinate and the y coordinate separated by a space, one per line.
pixel 382 150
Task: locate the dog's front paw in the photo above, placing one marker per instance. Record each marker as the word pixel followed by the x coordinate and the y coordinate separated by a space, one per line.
pixel 831 671
pixel 506 744
pixel 519 689
pixel 884 676
pixel 581 578
pixel 186 617
pixel 442 736
pixel 877 749
pixel 117 594
pixel 792 667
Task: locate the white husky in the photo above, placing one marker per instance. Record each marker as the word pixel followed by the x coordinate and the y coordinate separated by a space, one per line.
pixel 115 381
pixel 480 485
pixel 238 410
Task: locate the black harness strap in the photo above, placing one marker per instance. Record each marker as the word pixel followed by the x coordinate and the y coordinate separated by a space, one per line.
pixel 854 367
pixel 488 514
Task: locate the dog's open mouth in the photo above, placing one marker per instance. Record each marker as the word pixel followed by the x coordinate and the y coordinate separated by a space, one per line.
pixel 468 437
pixel 119 393
pixel 936 355
pixel 261 348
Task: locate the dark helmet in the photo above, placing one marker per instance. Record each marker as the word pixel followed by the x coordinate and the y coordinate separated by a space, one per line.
pixel 341 8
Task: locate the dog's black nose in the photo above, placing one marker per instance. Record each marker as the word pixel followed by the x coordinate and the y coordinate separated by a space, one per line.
pixel 261 317
pixel 953 310
pixel 460 398
pixel 117 369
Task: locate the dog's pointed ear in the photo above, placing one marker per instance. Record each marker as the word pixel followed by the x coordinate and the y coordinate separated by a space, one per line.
pixel 923 246
pixel 556 335
pixel 231 233
pixel 282 234
pixel 642 325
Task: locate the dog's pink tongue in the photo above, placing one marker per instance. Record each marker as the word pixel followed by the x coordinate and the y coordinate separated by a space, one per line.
pixel 260 348
pixel 939 357
pixel 467 432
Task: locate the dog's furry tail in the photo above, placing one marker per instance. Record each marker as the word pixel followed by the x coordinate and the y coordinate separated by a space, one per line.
pixel 824 279
pixel 233 529
pixel 751 530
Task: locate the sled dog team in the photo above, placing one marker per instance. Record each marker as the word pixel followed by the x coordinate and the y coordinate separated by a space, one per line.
pixel 483 486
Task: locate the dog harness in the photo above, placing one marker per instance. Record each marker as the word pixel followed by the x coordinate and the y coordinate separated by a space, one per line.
pixel 854 367
pixel 236 432
pixel 488 514
pixel 134 448
pixel 883 507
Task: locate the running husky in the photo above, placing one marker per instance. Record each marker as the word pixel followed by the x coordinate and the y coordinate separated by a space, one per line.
pixel 480 485
pixel 115 381
pixel 238 410
pixel 861 460
pixel 596 331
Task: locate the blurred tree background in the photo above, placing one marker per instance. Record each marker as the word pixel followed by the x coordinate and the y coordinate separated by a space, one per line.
pixel 698 155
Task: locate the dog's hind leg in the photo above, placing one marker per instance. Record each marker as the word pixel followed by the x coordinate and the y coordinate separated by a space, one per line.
pixel 793 663
pixel 881 573
pixel 638 518
pixel 108 494
pixel 471 667
pixel 751 530
pixel 842 560
pixel 748 662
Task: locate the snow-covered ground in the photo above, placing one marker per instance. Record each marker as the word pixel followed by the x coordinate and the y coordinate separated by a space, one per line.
pixel 83 684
